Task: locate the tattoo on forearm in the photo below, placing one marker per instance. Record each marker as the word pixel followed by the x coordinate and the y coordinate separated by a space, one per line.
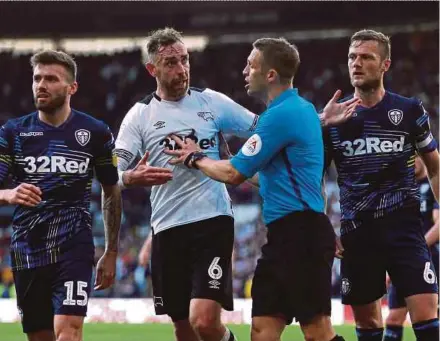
pixel 111 212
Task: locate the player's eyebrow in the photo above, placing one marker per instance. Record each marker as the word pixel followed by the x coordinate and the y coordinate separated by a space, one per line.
pixel 176 57
pixel 49 77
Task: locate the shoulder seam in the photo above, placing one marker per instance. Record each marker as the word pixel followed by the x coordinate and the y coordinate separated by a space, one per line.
pixel 197 89
pixel 146 100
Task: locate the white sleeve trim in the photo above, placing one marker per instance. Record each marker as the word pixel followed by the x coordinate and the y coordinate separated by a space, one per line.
pixel 425 142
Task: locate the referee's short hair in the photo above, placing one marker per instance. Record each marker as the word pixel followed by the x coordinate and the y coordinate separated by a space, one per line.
pixel 280 55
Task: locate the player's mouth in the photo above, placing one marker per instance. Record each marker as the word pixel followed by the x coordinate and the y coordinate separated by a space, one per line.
pixel 357 73
pixel 42 95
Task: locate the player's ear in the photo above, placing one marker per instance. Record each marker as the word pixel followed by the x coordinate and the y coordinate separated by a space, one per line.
pixel 73 88
pixel 272 76
pixel 151 69
pixel 386 65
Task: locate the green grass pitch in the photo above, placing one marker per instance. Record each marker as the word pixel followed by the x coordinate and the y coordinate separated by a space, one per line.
pixel 164 332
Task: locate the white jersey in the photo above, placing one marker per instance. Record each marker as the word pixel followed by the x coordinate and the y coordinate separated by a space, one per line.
pixel 201 115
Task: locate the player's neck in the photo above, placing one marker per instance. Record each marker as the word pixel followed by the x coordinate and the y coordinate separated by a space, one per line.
pixel 370 97
pixel 56 118
pixel 275 91
pixel 167 97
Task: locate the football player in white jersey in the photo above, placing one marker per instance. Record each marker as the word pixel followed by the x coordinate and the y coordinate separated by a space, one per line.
pixel 192 218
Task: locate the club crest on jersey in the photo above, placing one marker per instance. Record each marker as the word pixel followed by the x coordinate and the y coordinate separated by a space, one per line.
pixel 395 116
pixel 206 115
pixel 82 136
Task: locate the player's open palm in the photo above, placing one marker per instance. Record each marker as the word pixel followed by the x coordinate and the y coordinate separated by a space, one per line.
pixel 335 113
pixel 106 270
pixel 145 175
pixel 24 194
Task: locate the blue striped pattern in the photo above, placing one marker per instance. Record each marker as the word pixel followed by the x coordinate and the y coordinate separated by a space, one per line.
pixel 52 162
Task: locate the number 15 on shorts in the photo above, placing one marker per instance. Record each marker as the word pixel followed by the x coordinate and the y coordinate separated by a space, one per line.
pixel 81 294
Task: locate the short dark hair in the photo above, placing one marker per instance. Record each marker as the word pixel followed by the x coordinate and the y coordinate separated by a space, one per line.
pixel 280 55
pixel 371 35
pixel 162 37
pixel 48 57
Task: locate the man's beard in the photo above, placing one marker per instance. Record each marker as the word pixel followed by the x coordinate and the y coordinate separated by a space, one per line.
pixel 51 106
pixel 173 91
pixel 370 85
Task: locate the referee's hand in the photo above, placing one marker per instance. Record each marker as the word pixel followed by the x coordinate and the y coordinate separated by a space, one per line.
pixel 339 248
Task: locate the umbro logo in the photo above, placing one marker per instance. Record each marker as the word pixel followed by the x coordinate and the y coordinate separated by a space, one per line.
pixel 159 124
pixel 214 284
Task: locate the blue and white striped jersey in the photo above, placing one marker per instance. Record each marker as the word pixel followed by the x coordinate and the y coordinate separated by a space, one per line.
pixel 374 153
pixel 60 161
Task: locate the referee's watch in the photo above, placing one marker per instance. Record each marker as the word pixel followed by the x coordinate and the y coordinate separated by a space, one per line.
pixel 191 159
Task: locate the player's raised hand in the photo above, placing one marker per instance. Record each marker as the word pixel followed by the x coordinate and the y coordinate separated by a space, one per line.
pixel 106 270
pixel 186 147
pixel 145 175
pixel 24 194
pixel 335 113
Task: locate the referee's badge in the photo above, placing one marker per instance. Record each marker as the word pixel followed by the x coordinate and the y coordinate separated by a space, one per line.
pixel 252 146
pixel 395 116
pixel 82 136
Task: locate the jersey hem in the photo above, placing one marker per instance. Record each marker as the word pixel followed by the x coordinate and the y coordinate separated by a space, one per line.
pixel 166 227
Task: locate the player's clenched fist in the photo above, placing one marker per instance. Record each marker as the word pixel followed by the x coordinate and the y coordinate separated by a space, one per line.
pixel 24 194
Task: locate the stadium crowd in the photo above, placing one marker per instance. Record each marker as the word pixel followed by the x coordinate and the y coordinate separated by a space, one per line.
pixel 110 84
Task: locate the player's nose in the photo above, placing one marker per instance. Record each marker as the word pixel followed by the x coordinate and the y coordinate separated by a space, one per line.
pixel 41 85
pixel 180 68
pixel 245 71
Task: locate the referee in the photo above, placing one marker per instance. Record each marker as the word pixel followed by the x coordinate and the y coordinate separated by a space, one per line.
pixel 293 275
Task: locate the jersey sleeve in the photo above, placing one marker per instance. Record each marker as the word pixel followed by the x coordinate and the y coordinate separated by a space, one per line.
pixel 422 137
pixel 129 140
pixel 231 116
pixel 105 165
pixel 6 155
pixel 271 136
